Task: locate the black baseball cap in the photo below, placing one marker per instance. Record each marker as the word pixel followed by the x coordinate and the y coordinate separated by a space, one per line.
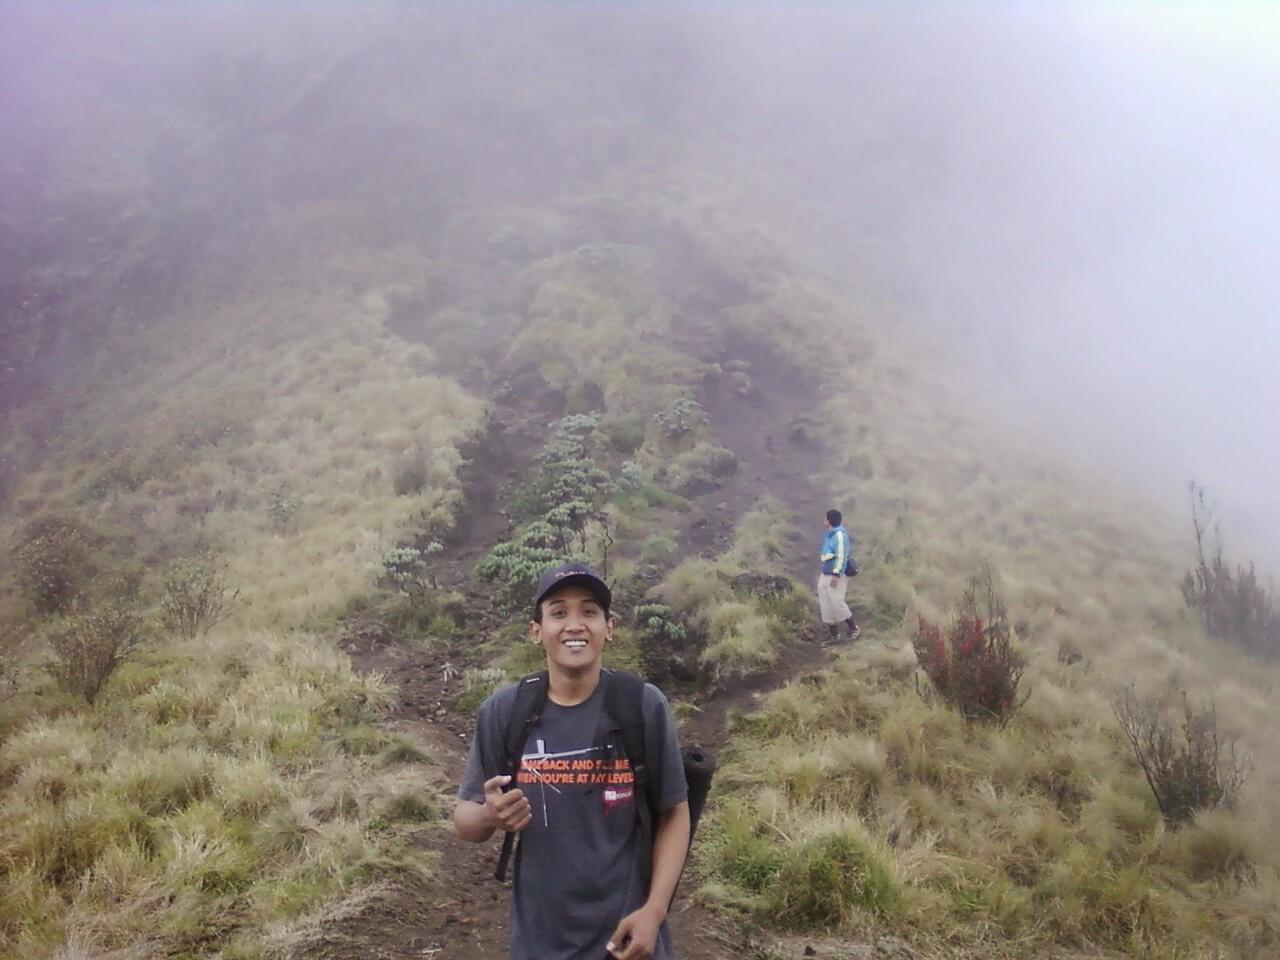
pixel 572 575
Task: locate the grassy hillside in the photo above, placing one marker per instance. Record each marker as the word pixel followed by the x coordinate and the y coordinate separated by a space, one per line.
pixel 289 369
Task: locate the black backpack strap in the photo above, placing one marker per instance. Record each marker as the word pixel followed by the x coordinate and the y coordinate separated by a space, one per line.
pixel 623 708
pixel 531 694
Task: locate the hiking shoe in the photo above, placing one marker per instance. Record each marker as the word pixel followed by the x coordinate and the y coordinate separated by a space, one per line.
pixel 854 634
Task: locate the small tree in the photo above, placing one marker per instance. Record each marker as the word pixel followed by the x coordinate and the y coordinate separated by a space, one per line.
pixel 406 569
pixel 515 565
pixel 89 646
pixel 195 596
pixel 1187 766
pixel 1233 606
pixel 974 667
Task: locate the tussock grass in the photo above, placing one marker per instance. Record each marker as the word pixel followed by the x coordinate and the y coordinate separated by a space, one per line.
pixel 314 416
pixel 212 790
pixel 1010 839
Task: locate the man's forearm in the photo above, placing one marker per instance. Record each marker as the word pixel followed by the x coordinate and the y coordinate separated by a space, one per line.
pixel 670 847
pixel 473 821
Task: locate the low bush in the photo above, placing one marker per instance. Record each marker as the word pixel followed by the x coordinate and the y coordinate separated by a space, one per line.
pixel 825 881
pixel 1187 764
pixel 1233 606
pixel 664 642
pixel 974 666
pixel 477 685
pixel 693 588
pixel 409 472
pixel 625 433
pixel 54 563
pixel 88 647
pixel 683 418
pixel 407 571
pixel 658 548
pixel 281 507
pixel 195 597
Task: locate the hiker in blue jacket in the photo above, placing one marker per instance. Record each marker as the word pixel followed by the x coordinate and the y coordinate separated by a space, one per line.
pixel 836 557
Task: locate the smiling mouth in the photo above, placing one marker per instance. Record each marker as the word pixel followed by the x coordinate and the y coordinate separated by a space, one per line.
pixel 575 644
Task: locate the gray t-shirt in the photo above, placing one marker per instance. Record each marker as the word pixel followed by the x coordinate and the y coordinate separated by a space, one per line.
pixel 579 867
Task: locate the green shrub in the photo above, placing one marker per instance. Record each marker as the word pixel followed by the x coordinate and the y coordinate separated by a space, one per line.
pixel 743 641
pixel 693 588
pixel 515 565
pixel 826 879
pixel 744 857
pixel 195 596
pixel 54 563
pixel 683 418
pixel 625 433
pixel 88 647
pixel 409 472
pixel 477 685
pixel 662 638
pixel 413 804
pixel 407 571
pixel 792 610
pixel 657 548
pixel 567 495
pixel 281 506
pixel 710 459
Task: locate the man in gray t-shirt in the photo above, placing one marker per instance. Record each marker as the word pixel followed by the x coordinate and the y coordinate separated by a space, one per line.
pixel 581 864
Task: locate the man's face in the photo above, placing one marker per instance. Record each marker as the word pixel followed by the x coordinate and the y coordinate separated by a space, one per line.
pixel 573 630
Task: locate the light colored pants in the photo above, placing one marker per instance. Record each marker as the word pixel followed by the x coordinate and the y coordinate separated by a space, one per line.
pixel 831 599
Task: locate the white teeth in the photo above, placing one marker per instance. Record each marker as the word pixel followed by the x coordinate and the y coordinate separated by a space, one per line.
pixel 575 643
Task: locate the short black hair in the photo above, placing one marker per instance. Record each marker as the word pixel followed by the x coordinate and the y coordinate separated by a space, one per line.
pixel 834 517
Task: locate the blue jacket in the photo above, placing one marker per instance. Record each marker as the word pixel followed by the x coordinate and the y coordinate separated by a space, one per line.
pixel 837 547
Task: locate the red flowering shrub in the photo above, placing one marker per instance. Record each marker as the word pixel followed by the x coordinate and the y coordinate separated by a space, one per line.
pixel 973 666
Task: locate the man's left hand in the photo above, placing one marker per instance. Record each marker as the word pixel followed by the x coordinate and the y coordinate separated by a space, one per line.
pixel 636 935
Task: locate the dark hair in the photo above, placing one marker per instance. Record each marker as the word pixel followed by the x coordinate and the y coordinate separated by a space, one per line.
pixel 537 607
pixel 834 517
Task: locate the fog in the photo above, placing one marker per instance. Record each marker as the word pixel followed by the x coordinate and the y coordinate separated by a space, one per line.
pixel 1082 202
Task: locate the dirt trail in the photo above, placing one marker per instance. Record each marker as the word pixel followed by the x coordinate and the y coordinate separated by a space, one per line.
pixel 753 413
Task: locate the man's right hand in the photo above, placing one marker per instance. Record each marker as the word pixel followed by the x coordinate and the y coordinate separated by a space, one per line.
pixel 510 810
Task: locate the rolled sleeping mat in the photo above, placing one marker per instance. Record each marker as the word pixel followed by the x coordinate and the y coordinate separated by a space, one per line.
pixel 699 768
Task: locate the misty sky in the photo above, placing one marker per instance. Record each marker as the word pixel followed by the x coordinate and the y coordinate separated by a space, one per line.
pixel 1084 198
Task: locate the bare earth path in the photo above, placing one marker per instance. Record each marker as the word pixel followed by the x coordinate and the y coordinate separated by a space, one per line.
pixel 463 915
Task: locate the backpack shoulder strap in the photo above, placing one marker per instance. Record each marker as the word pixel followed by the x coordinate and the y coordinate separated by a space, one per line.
pixel 531 694
pixel 624 707
pixel 624 710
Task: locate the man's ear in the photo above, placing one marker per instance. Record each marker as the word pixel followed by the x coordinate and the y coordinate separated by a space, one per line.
pixel 612 624
pixel 535 631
